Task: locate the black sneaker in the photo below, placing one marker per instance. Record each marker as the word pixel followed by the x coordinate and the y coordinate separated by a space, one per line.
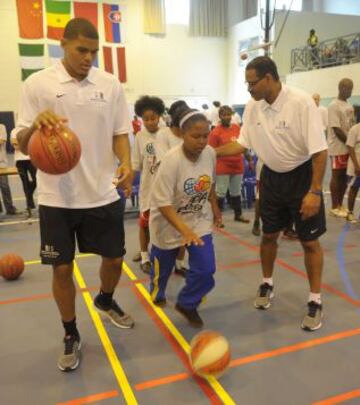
pixel 70 359
pixel 146 267
pixel 191 315
pixel 312 320
pixel 160 303
pixel 263 296
pixel 181 271
pixel 116 315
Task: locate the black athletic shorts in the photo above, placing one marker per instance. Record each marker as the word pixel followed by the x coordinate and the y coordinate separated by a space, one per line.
pixel 281 196
pixel 97 230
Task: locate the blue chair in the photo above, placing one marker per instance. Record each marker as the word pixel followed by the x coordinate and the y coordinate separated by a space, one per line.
pixel 135 190
pixel 248 187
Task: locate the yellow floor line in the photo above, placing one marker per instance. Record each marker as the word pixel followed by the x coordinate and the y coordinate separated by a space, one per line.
pixel 214 383
pixel 113 359
pixel 79 256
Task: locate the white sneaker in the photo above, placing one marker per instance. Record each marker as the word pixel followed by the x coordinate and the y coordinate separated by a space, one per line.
pixel 350 218
pixel 336 212
pixel 344 210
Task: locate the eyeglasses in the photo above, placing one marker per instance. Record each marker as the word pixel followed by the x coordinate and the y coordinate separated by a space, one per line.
pixel 254 83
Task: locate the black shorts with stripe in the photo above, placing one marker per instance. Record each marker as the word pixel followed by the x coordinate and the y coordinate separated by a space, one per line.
pixel 97 230
pixel 281 196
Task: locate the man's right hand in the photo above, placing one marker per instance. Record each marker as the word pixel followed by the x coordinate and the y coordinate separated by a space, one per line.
pixel 48 119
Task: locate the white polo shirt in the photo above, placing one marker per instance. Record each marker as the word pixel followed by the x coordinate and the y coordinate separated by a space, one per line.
pixel 353 140
pixel 96 110
pixel 341 115
pixel 286 133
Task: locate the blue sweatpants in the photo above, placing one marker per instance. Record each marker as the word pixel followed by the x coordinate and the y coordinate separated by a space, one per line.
pixel 199 278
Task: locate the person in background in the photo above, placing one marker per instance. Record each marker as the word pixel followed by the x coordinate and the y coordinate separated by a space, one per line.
pixel 312 42
pixel 27 173
pixel 136 124
pixel 323 112
pixel 145 160
pixel 353 169
pixel 4 181
pixel 257 217
pixel 230 169
pixel 206 112
pixel 341 119
pixel 214 114
pixel 236 119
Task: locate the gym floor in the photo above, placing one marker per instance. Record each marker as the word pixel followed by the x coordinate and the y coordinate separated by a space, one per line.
pixel 273 360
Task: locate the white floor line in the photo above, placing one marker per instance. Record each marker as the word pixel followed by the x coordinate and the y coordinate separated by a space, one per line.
pixel 22 221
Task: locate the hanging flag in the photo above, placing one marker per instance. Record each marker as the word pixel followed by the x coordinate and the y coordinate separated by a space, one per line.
pixel 117 64
pixel 55 53
pixel 30 18
pixel 57 16
pixel 31 59
pixel 121 64
pixel 108 60
pixel 113 23
pixel 89 11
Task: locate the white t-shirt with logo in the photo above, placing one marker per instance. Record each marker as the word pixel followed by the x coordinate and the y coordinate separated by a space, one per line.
pixel 166 140
pixel 3 139
pixel 186 186
pixel 341 115
pixel 96 110
pixel 353 140
pixel 286 133
pixel 145 159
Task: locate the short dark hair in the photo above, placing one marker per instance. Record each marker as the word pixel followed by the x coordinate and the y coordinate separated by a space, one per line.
pixel 80 27
pixel 264 65
pixel 175 111
pixel 225 108
pixel 193 119
pixel 146 103
pixel 216 103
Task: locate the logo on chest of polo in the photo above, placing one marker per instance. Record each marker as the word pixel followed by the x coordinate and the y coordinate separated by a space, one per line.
pixel 198 192
pixel 98 96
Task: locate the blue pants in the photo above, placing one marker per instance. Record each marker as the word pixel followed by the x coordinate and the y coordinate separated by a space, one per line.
pixel 199 278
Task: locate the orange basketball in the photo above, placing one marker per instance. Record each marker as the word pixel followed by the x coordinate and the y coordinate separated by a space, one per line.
pixel 55 150
pixel 209 354
pixel 11 266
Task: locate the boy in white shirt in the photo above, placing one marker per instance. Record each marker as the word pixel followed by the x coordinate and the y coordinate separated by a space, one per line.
pixel 183 208
pixel 145 160
pixel 353 169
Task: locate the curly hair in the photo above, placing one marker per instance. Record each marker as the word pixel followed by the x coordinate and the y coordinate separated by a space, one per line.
pixel 146 103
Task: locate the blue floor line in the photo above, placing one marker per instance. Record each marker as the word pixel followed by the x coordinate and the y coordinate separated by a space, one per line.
pixel 340 258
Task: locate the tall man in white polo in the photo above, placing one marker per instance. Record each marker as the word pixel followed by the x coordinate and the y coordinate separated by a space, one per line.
pixel 83 203
pixel 283 127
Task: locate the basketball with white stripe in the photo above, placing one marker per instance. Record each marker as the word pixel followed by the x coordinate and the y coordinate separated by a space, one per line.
pixel 209 354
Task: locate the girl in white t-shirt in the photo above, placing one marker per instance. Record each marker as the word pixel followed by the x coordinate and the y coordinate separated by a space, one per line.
pixel 145 160
pixel 183 209
pixel 167 140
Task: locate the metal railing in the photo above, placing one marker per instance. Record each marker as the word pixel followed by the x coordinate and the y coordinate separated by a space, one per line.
pixel 332 52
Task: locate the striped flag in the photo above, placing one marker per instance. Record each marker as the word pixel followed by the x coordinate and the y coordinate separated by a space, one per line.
pixel 115 64
pixel 30 18
pixel 113 23
pixel 56 52
pixel 57 16
pixel 31 59
pixel 89 11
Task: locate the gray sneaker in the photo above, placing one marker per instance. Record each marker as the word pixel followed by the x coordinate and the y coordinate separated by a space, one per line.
pixel 146 267
pixel 70 358
pixel 312 320
pixel 263 296
pixel 116 315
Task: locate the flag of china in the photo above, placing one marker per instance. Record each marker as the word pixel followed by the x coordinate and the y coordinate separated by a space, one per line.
pixel 30 18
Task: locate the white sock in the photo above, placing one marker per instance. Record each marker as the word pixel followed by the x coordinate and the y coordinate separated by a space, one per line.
pixel 179 264
pixel 316 297
pixel 144 257
pixel 268 280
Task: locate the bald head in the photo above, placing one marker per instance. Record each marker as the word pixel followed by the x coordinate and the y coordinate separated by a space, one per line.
pixel 316 98
pixel 345 88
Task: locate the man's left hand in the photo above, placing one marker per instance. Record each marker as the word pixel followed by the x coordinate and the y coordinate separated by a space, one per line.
pixel 310 205
pixel 124 179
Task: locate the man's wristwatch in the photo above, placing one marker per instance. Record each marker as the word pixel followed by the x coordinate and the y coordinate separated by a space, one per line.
pixel 316 192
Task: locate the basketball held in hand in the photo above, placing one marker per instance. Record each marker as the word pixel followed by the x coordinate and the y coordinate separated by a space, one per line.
pixel 54 150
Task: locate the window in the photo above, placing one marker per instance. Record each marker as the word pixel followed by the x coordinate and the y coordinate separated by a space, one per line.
pixel 177 11
pixel 285 4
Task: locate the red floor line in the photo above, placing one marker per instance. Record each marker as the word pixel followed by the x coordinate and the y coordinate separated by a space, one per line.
pixel 339 398
pixel 39 297
pixel 293 269
pixel 257 357
pixel 91 398
pixel 214 399
pixel 238 264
